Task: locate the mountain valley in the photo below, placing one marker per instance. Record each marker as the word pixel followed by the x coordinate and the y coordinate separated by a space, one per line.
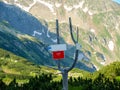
pixel 98 25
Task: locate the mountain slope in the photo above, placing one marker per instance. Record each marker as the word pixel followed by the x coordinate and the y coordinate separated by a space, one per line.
pixel 9 60
pixel 24 22
pixel 30 48
pixel 78 10
pixel 23 45
pixel 43 34
pixel 19 68
pixel 98 22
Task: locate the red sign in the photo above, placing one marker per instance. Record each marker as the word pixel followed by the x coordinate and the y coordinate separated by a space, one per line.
pixel 58 55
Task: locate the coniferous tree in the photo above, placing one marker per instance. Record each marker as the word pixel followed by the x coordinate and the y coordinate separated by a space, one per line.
pixel 13 85
pixel 2 85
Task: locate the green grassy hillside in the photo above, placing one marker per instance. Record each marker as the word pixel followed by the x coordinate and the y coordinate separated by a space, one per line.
pixel 13 66
pixel 23 45
pixel 16 72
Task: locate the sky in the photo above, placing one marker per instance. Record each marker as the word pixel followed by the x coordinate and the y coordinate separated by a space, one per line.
pixel 117 1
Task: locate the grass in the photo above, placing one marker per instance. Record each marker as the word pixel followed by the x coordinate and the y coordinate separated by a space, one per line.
pixel 75 88
pixel 20 82
pixel 117 12
pixel 62 12
pixel 94 60
pixel 105 33
pixel 24 37
pixel 105 50
pixel 98 19
pixel 7 80
pixel 71 2
pixel 82 15
pixel 118 78
pixel 11 71
pixel 118 40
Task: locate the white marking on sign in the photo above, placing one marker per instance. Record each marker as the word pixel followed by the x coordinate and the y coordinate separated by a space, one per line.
pixel 57 47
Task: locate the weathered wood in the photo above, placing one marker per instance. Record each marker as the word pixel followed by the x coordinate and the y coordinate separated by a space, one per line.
pixel 64 71
pixel 58 41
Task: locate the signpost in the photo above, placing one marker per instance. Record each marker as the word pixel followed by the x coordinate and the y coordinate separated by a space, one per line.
pixel 58 53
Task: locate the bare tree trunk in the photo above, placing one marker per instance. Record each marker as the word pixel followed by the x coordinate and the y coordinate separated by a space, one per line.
pixel 65 71
pixel 65 80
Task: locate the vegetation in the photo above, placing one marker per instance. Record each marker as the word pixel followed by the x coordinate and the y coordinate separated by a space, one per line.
pixel 42 82
pixel 98 18
pixel 99 83
pixel 16 73
pixel 21 44
pixel 45 82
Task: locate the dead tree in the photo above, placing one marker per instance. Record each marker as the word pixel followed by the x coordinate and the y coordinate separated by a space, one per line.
pixel 64 71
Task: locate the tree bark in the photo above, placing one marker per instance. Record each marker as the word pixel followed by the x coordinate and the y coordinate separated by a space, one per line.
pixel 65 80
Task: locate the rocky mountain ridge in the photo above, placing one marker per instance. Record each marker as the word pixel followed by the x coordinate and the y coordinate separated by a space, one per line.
pixel 18 25
pixel 98 22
